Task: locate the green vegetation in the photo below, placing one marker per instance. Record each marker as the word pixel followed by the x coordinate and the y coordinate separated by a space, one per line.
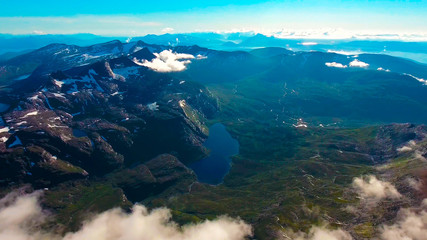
pixel 75 202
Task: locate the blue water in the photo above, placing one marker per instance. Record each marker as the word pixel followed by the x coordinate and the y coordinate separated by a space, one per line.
pixel 222 146
pixel 4 107
pixel 79 133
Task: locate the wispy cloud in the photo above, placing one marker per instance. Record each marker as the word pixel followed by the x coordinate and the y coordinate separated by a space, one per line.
pixel 167 30
pixel 103 25
pixel 335 64
pixel 308 43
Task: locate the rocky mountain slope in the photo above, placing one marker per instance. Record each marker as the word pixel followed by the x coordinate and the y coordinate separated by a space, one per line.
pixel 102 116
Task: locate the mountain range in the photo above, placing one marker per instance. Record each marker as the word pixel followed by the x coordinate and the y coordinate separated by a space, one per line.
pixel 117 123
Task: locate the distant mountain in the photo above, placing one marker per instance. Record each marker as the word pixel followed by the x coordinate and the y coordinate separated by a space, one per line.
pixel 63 56
pixel 17 43
pixel 185 39
pixel 295 78
pixel 222 41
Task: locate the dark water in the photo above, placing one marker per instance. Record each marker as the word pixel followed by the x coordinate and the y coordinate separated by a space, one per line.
pixel 4 107
pixel 79 133
pixel 222 146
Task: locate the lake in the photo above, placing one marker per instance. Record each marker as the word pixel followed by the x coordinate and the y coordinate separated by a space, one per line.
pixel 222 146
pixel 79 133
pixel 4 107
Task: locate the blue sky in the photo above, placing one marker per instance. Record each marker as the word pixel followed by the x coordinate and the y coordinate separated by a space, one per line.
pixel 131 18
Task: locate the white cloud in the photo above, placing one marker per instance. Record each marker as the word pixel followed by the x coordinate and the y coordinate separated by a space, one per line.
pixel 382 69
pixel 421 80
pixel 419 155
pixel 357 63
pixel 308 43
pixel 167 30
pixel 200 57
pixel 337 33
pixel 411 225
pixel 37 32
pixel 20 216
pixel 167 61
pixel 408 147
pixel 335 64
pixel 414 183
pixel 404 149
pixel 371 188
pixel 342 52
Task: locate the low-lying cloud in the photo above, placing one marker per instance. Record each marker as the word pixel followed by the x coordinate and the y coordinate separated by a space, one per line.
pixel 411 225
pixel 371 188
pixel 421 80
pixel 357 63
pixel 20 217
pixel 335 64
pixel 167 61
pixel 408 147
pixel 308 43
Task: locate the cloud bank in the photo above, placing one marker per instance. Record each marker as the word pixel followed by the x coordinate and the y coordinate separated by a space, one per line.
pixel 167 61
pixel 20 217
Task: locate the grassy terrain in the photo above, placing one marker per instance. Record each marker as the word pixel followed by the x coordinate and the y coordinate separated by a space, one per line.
pixel 75 202
pixel 284 177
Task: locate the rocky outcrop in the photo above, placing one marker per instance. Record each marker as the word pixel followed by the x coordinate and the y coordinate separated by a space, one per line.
pixel 390 137
pixel 162 173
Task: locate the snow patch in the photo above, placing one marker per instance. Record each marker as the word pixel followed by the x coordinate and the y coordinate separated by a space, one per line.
pixel 20 123
pixel 33 113
pixel 153 106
